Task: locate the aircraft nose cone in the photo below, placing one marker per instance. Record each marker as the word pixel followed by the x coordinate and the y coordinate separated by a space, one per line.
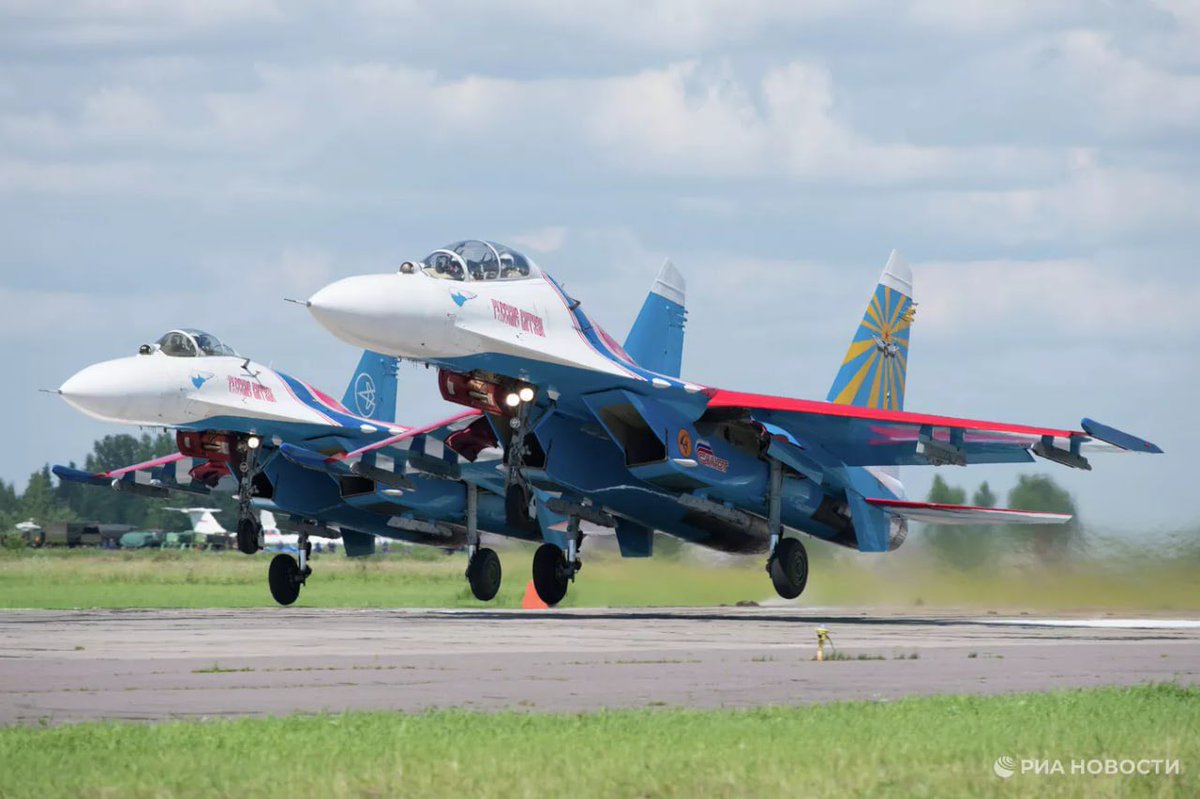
pixel 92 391
pixel 358 310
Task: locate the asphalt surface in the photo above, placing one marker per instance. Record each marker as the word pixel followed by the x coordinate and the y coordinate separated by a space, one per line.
pixel 68 666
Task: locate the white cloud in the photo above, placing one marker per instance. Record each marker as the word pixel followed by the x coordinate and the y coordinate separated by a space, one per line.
pixel 546 239
pixel 1093 202
pixel 685 119
pixel 988 16
pixel 673 26
pixel 1128 94
pixel 90 178
pixel 1065 299
pixel 85 23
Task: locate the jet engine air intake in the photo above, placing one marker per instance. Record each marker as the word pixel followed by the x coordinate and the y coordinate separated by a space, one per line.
pixel 635 436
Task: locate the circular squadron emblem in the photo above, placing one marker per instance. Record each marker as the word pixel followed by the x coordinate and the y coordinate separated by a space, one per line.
pixel 684 441
pixel 364 394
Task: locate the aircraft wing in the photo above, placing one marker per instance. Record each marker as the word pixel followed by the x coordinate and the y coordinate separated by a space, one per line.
pixel 937 513
pixel 436 449
pixel 857 436
pixel 155 477
pixel 439 430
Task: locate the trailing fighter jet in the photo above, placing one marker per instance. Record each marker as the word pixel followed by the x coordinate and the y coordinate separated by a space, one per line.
pixel 287 448
pixel 625 442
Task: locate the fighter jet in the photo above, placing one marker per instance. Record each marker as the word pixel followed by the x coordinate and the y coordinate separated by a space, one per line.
pixel 626 442
pixel 287 448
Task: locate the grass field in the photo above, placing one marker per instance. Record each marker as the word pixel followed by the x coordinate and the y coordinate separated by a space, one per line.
pixel 429 578
pixel 941 746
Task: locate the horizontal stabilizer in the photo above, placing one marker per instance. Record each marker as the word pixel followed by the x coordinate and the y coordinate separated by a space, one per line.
pixel 936 513
pixel 1117 438
pixel 80 476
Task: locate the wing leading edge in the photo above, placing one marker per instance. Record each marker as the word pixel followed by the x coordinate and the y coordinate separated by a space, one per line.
pixel 859 436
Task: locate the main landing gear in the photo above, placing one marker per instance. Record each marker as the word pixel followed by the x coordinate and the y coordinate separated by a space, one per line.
pixel 286 575
pixel 788 567
pixel 787 562
pixel 554 570
pixel 483 564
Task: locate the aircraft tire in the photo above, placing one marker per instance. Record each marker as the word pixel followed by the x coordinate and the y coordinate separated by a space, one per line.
pixel 285 579
pixel 789 568
pixel 484 573
pixel 247 536
pixel 550 574
pixel 516 508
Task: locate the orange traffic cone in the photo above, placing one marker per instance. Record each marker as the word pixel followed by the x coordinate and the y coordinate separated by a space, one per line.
pixel 531 600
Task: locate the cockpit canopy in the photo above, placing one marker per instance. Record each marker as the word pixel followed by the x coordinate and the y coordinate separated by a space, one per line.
pixel 192 343
pixel 478 260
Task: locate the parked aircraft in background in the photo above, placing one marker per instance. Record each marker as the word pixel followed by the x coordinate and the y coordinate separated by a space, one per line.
pixel 204 522
pixel 625 442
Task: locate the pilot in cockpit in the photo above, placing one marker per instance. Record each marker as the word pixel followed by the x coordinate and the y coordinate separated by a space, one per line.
pixel 446 264
pixel 191 343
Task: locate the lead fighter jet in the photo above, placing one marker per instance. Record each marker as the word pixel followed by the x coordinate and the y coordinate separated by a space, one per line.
pixel 623 441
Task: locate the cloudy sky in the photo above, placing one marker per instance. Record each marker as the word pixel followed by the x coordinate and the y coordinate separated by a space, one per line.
pixel 194 162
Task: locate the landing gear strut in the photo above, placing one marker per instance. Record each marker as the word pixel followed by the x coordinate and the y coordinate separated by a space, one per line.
pixel 483 565
pixel 554 570
pixel 787 562
pixel 286 575
pixel 518 498
pixel 249 530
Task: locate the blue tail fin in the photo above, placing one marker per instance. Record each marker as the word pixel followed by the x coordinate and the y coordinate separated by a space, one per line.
pixel 656 339
pixel 874 371
pixel 372 390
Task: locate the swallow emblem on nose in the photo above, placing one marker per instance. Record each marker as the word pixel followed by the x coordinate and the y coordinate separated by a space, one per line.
pixel 461 297
pixel 200 378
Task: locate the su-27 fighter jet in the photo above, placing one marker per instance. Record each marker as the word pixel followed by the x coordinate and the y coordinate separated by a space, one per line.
pixel 625 442
pixel 287 448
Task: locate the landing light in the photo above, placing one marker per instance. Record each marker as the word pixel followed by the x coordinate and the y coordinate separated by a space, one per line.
pixel 512 400
pixel 526 394
pixel 253 441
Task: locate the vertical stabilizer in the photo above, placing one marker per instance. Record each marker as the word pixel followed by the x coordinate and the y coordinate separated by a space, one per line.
pixel 656 339
pixel 203 520
pixel 875 367
pixel 372 390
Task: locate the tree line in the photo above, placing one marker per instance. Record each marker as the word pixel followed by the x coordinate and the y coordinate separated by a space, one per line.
pixel 47 500
pixel 976 546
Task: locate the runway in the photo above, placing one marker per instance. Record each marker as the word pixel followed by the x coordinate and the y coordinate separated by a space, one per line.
pixel 60 666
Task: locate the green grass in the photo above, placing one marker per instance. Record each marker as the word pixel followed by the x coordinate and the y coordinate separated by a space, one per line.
pixel 428 578
pixel 941 746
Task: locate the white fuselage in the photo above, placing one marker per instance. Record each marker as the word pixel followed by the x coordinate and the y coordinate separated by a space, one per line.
pixel 422 317
pixel 164 391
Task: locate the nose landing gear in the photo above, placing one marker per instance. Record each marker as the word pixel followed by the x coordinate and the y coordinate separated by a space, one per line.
pixel 249 535
pixel 249 529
